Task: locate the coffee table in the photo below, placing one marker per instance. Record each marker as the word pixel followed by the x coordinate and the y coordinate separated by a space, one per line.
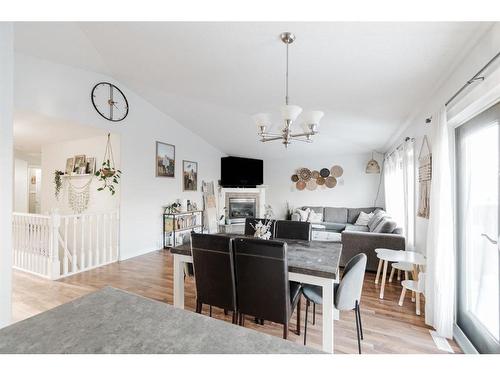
pixel 390 255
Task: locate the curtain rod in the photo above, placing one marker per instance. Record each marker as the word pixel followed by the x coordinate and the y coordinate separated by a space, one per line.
pixel 476 77
pixel 398 147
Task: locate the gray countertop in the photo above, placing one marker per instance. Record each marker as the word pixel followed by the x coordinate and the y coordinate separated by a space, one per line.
pixel 316 258
pixel 114 321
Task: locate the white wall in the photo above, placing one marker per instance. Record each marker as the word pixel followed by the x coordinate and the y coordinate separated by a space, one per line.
pixel 54 157
pixel 20 185
pixel 475 58
pixel 355 188
pixel 63 92
pixel 6 169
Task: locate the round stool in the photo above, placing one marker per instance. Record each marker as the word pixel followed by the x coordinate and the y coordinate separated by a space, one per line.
pixel 400 266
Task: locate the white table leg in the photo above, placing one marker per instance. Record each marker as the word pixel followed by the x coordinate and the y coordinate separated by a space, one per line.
pixel 328 316
pixel 379 268
pixel 384 275
pixel 178 281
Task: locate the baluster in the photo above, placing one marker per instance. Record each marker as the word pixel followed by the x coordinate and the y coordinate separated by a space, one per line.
pixel 110 233
pixel 104 237
pixel 97 251
pixel 82 244
pixel 65 243
pixel 91 262
pixel 74 256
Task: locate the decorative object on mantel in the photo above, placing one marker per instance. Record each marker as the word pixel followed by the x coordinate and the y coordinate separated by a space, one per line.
pixel 372 167
pixel 58 182
pixel 269 212
pixel 108 174
pixel 289 113
pixel 262 229
pixel 424 179
pixel 326 177
pixel 172 208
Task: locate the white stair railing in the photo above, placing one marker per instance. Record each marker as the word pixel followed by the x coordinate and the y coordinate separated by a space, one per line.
pixel 54 246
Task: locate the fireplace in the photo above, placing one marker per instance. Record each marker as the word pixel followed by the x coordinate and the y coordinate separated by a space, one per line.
pixel 241 208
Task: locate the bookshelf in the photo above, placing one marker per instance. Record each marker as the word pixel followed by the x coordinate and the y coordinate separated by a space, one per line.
pixel 178 225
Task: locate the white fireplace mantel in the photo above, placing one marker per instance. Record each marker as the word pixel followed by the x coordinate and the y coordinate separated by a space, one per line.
pixel 259 191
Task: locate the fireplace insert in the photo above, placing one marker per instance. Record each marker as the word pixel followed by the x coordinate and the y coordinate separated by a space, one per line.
pixel 241 208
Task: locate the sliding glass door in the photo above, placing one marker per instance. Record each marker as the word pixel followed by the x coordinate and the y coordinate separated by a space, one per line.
pixel 478 276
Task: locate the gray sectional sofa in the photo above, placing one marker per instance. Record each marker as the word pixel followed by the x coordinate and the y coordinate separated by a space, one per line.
pixel 381 231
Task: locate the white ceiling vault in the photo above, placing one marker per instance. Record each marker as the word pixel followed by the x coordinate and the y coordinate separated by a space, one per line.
pixel 368 78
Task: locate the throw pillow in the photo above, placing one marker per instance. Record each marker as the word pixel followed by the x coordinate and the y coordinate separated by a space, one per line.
pixel 304 214
pixel 315 217
pixel 386 225
pixel 364 218
pixel 375 220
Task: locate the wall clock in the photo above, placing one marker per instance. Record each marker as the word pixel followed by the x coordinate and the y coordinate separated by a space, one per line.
pixel 109 101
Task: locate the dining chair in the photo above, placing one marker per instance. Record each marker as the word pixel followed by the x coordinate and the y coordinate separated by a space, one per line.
pixel 214 272
pixel 347 294
pixel 262 284
pixel 417 286
pixel 293 230
pixel 250 223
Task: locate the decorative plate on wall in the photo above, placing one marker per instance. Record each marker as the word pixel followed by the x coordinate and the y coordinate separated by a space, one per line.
pixel 295 178
pixel 311 185
pixel 324 172
pixel 305 174
pixel 315 174
pixel 337 171
pixel 320 180
pixel 300 185
pixel 331 182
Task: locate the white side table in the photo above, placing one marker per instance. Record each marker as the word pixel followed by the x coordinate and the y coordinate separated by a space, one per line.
pixel 389 255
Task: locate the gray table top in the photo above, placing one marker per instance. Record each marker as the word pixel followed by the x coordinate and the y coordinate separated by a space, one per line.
pixel 316 258
pixel 114 321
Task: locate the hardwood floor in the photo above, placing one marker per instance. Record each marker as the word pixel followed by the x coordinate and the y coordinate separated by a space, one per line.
pixel 388 328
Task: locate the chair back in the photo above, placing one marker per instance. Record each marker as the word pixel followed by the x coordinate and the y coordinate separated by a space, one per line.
pixel 262 286
pixel 351 284
pixel 250 223
pixel 214 270
pixel 293 230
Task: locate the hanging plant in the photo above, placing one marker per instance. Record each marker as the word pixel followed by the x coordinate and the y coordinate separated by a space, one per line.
pixel 108 174
pixel 58 182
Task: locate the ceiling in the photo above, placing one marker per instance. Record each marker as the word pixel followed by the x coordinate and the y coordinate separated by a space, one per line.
pixel 368 78
pixel 32 131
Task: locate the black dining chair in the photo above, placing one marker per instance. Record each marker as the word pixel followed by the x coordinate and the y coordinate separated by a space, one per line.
pixel 262 285
pixel 347 294
pixel 293 230
pixel 250 223
pixel 214 272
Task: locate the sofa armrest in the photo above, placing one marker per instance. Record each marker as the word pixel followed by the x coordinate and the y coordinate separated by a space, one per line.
pixel 295 217
pixel 354 243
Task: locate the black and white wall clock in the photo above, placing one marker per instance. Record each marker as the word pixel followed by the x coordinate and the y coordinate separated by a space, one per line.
pixel 109 101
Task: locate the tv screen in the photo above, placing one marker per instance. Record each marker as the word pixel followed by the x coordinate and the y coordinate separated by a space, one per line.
pixel 241 172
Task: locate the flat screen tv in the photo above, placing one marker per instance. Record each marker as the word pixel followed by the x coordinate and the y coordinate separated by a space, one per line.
pixel 241 172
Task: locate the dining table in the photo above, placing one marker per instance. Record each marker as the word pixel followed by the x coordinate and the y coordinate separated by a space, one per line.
pixel 309 262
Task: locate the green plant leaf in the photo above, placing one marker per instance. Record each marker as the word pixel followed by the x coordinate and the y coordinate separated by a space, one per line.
pixel 100 189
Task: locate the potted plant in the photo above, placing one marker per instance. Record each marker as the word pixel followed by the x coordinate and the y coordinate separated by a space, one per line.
pixel 109 176
pixel 58 182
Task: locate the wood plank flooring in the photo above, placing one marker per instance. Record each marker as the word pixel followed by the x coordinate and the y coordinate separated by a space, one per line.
pixel 388 328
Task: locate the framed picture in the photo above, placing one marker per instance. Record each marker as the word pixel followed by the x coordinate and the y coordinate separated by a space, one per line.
pixel 165 160
pixel 189 175
pixel 70 165
pixel 90 166
pixel 79 163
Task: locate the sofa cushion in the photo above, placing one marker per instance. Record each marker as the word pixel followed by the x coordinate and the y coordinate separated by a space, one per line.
pixel 335 227
pixel 317 209
pixel 375 220
pixel 303 214
pixel 353 213
pixel 315 217
pixel 357 228
pixel 363 218
pixel 335 214
pixel 386 225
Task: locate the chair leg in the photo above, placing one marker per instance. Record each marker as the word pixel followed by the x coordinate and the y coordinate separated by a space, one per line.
pixel 242 320
pixel 199 306
pixel 357 328
pixel 285 331
pixel 399 275
pixel 305 321
pixel 360 325
pixel 210 311
pixel 417 304
pixel 234 318
pixel 392 274
pixel 297 331
pixel 225 311
pixel 314 313
pixel 402 298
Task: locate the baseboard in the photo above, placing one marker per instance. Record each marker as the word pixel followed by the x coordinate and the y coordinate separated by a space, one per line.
pixel 462 341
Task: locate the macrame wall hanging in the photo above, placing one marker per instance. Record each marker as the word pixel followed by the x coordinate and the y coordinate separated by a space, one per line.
pixel 79 196
pixel 424 179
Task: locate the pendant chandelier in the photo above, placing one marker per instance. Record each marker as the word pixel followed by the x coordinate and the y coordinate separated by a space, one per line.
pixel 289 114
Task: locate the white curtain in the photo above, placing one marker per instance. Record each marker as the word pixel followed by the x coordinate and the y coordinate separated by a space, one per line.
pixel 440 269
pixel 399 187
